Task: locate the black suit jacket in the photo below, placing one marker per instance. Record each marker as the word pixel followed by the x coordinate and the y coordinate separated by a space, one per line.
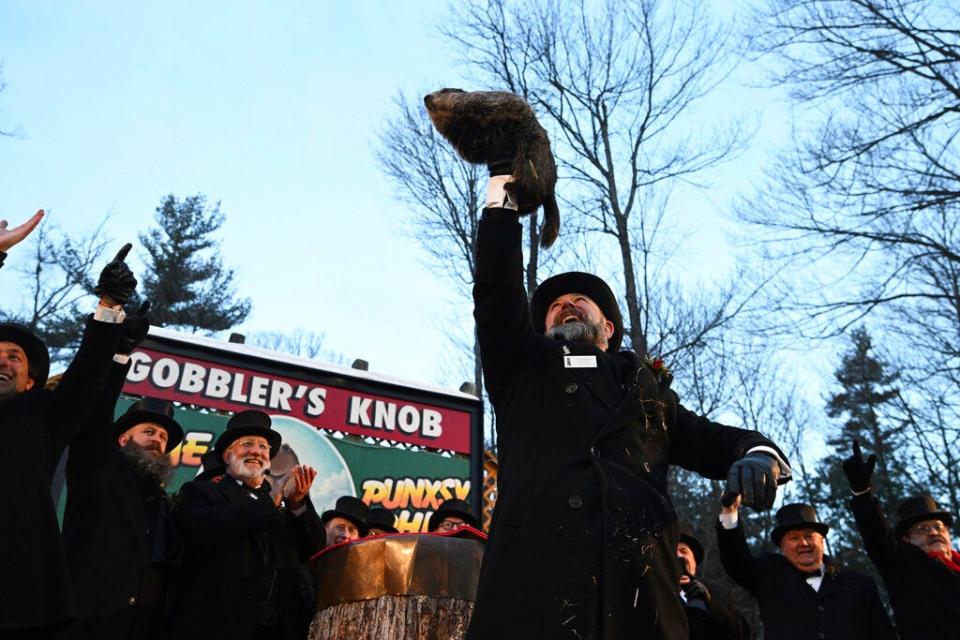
pixel 241 560
pixel 583 538
pixel 925 594
pixel 119 557
pixel 846 607
pixel 35 590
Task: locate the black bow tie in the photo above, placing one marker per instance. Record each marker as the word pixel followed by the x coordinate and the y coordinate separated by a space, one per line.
pixel 818 573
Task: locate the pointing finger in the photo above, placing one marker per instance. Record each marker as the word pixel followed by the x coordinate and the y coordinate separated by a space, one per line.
pixel 857 453
pixel 122 254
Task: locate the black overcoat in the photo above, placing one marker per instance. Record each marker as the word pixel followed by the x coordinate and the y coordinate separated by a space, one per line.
pixel 846 607
pixel 583 538
pixel 117 531
pixel 38 424
pixel 925 594
pixel 239 552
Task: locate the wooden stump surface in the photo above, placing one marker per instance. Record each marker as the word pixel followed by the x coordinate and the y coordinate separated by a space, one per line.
pixel 394 618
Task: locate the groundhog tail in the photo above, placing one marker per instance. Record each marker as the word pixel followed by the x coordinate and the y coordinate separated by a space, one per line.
pixel 550 230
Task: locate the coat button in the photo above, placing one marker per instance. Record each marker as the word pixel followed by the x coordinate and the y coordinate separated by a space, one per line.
pixel 575 501
pixel 571 387
pixel 595 452
pixel 132 600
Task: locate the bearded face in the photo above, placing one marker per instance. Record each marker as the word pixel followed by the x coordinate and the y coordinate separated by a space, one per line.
pixel 577 318
pixel 150 462
pixel 248 461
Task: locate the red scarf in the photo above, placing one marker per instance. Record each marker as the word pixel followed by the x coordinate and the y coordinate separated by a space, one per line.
pixel 953 562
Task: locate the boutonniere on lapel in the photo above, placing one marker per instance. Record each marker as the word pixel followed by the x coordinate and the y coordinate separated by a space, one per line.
pixel 659 368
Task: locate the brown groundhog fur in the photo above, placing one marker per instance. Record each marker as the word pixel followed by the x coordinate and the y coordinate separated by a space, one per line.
pixel 491 127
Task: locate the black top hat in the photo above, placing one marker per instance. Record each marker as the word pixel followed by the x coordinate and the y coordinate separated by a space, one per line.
pixel 694 545
pixel 577 282
pixel 38 359
pixel 381 518
pixel 350 508
pixel 151 410
pixel 452 507
pixel 248 423
pixel 796 516
pixel 919 508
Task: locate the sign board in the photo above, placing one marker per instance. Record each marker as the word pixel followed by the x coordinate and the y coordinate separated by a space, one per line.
pixel 404 446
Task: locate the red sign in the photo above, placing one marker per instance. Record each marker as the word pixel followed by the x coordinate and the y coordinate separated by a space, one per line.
pixel 207 384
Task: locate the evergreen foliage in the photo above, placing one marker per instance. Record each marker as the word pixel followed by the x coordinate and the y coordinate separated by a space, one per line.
pixel 185 281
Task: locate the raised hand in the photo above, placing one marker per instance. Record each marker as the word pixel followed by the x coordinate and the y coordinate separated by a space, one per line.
pixel 754 478
pixel 135 328
pixel 859 471
pixel 10 237
pixel 298 483
pixel 116 281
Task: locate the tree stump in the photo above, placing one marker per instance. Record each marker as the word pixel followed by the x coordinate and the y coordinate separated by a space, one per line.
pixel 397 587
pixel 394 618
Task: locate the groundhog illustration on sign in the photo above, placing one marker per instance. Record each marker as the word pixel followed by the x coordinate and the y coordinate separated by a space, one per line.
pixel 499 128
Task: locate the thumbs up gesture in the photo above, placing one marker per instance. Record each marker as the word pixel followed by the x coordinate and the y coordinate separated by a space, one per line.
pixel 116 281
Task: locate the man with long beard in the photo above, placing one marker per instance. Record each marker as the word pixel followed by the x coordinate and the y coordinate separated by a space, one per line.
pixel 117 526
pixel 243 541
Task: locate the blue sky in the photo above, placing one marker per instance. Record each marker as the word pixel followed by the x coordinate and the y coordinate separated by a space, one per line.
pixel 273 109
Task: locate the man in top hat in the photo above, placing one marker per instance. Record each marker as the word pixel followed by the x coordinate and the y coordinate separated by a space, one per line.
pixel 117 529
pixel 915 558
pixel 706 618
pixel 583 537
pixel 380 521
pixel 244 541
pixel 11 237
pixel 35 595
pixel 452 514
pixel 802 594
pixel 346 522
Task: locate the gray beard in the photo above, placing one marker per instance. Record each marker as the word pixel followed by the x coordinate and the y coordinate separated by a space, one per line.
pixel 578 332
pixel 147 463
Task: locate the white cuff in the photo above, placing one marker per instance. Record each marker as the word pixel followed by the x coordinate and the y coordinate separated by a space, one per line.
pixel 729 520
pixel 107 314
pixel 785 473
pixel 121 358
pixel 860 493
pixel 497 196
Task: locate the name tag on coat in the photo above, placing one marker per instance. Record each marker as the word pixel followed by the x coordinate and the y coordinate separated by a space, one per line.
pixel 579 362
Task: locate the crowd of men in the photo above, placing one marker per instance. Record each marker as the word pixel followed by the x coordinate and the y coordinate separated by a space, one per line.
pixel 584 542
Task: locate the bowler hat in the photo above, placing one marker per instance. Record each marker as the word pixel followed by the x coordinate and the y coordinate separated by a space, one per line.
pixel 151 410
pixel 38 359
pixel 381 518
pixel 248 423
pixel 796 516
pixel 917 509
pixel 349 508
pixel 577 282
pixel 452 507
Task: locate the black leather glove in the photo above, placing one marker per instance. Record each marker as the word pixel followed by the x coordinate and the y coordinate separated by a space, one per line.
pixel 859 471
pixel 135 328
pixel 696 590
pixel 116 280
pixel 754 478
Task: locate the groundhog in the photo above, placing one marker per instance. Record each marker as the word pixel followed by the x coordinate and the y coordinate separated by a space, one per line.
pixel 499 128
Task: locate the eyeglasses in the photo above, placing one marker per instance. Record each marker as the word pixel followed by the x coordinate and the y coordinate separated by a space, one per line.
pixel 253 444
pixel 930 527
pixel 450 525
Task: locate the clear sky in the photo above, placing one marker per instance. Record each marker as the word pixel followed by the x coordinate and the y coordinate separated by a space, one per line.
pixel 273 109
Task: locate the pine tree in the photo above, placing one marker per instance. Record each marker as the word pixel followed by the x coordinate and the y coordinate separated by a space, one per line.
pixel 864 402
pixel 185 281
